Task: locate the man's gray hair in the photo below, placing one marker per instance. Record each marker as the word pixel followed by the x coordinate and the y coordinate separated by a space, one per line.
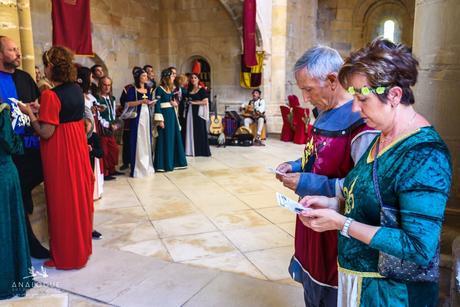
pixel 319 62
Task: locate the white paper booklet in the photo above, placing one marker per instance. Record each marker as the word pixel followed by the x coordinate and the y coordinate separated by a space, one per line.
pixel 289 204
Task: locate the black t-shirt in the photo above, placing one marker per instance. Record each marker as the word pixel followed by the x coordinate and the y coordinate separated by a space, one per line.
pixel 25 86
pixel 72 102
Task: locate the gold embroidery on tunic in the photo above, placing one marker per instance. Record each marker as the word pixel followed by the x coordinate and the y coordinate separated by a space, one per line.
pixel 309 148
pixel 349 197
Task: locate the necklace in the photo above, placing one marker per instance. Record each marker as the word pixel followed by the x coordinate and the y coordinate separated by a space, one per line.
pixel 384 140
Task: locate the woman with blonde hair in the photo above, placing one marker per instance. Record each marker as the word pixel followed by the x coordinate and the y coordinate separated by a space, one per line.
pixel 169 150
pixel 66 166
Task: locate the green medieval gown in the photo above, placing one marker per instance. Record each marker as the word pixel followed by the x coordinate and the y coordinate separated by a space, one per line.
pixel 414 172
pixel 169 150
pixel 14 252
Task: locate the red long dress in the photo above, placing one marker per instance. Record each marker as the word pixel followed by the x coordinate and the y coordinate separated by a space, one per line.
pixel 69 181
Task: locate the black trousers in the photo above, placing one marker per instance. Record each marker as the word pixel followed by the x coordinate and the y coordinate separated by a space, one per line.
pixel 126 155
pixel 30 170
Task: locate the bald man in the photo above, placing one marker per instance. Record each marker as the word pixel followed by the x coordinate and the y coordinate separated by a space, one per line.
pixel 18 84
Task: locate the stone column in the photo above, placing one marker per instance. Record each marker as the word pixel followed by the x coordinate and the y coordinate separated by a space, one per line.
pixel 9 20
pixel 278 63
pixel 27 41
pixel 437 46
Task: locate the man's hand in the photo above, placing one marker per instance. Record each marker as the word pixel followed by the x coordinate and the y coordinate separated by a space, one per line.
pixel 25 108
pixel 291 180
pixel 283 168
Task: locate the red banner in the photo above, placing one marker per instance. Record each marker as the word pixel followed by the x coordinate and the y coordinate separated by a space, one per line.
pixel 72 25
pixel 249 33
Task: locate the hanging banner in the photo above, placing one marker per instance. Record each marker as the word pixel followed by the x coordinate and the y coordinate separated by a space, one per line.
pixel 249 33
pixel 72 25
pixel 251 77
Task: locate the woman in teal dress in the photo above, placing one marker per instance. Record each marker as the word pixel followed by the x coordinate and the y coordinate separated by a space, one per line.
pixel 15 262
pixel 169 150
pixel 413 173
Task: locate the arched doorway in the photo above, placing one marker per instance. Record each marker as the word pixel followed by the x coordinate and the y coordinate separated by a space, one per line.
pixel 199 65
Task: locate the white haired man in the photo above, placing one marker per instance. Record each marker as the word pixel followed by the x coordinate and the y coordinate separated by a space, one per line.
pixel 338 140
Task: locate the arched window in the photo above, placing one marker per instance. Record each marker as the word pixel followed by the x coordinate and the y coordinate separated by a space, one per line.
pixel 389 30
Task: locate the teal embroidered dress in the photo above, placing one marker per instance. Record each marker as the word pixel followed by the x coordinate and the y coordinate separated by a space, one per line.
pixel 14 253
pixel 169 150
pixel 414 172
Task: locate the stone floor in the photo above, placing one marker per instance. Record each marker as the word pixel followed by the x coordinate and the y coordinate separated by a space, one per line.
pixel 205 236
pixel 208 235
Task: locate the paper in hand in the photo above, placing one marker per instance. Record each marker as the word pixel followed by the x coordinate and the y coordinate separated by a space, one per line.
pixel 271 169
pixel 289 204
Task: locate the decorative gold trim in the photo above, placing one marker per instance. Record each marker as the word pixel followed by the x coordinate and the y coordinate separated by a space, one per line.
pixel 167 92
pixel 404 136
pixel 361 274
pixel 360 286
pixel 165 105
pixel 158 117
pixel 4 106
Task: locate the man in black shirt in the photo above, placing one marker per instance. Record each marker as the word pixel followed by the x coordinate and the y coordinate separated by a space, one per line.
pixel 29 164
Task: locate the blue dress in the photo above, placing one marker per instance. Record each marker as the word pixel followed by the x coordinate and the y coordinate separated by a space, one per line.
pixel 415 173
pixel 141 152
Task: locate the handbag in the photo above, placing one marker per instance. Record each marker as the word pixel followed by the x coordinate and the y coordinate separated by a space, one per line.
pixel 391 266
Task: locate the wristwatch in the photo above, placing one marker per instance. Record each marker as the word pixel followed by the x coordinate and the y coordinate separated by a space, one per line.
pixel 346 226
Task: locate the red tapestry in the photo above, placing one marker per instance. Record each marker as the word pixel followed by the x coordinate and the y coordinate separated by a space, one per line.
pixel 249 33
pixel 72 25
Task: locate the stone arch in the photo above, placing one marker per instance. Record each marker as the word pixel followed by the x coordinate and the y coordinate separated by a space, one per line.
pixel 89 61
pixel 368 15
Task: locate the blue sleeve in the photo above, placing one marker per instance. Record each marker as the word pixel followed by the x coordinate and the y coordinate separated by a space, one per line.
pixel 314 184
pixel 422 189
pixel 296 165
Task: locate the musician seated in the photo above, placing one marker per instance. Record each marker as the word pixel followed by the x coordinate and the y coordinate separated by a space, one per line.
pixel 254 111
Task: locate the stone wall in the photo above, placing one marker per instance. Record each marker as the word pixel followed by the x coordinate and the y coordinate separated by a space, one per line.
pixel 437 46
pixel 204 28
pixel 125 34
pixel 349 24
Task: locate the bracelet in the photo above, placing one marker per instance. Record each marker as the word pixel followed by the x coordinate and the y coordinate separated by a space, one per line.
pixel 346 227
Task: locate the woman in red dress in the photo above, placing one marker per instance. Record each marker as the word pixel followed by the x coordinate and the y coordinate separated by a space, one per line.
pixel 66 166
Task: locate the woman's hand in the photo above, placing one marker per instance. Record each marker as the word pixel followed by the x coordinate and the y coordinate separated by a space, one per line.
pixel 320 202
pixel 161 125
pixel 174 103
pixel 321 220
pixel 34 106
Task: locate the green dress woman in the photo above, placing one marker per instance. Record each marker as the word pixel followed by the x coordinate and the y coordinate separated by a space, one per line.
pixel 169 150
pixel 15 262
pixel 415 173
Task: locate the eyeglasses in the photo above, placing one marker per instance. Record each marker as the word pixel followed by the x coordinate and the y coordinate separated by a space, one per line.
pixel 366 90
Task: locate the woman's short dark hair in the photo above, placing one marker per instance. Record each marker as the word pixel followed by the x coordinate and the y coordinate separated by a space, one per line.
pixel 257 90
pixel 61 61
pixel 384 64
pixel 84 78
